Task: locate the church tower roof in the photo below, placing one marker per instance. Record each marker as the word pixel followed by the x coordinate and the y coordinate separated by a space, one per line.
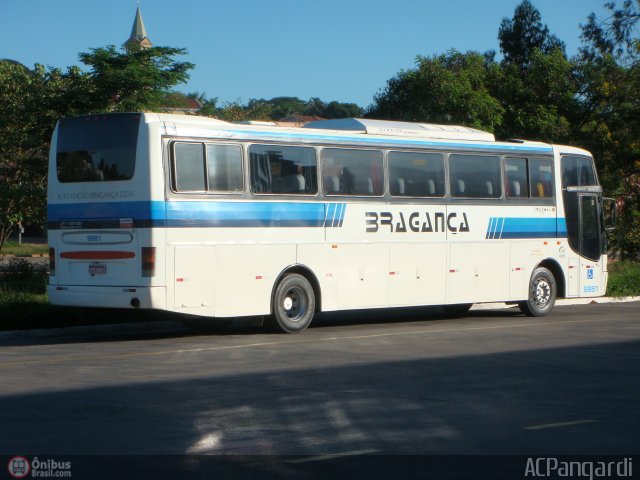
pixel 138 38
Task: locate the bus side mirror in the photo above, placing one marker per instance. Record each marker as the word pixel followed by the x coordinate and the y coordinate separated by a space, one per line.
pixel 610 215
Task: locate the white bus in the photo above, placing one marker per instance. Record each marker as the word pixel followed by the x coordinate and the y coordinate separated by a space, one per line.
pixel 219 220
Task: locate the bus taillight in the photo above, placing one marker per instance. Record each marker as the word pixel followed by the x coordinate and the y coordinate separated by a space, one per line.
pixel 148 261
pixel 52 262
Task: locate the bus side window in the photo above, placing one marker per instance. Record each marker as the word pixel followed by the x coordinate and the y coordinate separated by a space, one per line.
pixel 224 164
pixel 474 176
pixel 358 172
pixel 416 174
pixel 541 182
pixel 189 167
pixel 282 169
pixel 515 178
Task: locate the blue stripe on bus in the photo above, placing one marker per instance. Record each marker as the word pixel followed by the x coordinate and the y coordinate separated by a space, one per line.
pixel 562 227
pixel 263 214
pixel 99 210
pixel 277 214
pixel 203 214
pixel 510 227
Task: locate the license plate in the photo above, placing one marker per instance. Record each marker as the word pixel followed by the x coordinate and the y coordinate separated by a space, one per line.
pixel 97 269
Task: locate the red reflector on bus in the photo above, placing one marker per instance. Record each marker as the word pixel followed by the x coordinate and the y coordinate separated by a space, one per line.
pixel 97 255
pixel 148 261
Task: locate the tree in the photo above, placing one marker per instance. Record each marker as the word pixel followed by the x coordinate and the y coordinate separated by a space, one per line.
pixel 450 88
pixel 315 106
pixel 535 84
pixel 33 100
pixel 539 102
pixel 615 35
pixel 133 80
pixel 609 74
pixel 525 33
pixel 278 108
pixel 340 110
pixel 284 106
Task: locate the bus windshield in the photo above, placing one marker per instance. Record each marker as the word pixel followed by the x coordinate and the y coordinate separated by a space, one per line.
pixel 97 148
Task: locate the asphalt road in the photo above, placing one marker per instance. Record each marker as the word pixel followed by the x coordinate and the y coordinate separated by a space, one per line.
pixel 392 382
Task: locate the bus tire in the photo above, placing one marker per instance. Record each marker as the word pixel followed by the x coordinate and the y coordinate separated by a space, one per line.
pixel 542 294
pixel 294 304
pixel 458 309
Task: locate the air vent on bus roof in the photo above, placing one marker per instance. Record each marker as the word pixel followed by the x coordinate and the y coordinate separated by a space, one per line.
pixel 403 129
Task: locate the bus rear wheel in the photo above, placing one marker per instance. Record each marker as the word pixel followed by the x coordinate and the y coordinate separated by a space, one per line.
pixel 293 304
pixel 542 294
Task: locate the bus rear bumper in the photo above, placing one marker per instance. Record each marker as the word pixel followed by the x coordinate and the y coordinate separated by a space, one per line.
pixel 108 297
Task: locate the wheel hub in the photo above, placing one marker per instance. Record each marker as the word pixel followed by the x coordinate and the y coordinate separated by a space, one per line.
pixel 294 304
pixel 288 303
pixel 542 292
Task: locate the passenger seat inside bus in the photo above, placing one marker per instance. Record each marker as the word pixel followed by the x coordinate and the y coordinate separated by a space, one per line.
pixel 431 187
pixel 515 189
pixel 293 184
pixel 332 184
pixel 489 188
pixel 363 186
pixel 398 187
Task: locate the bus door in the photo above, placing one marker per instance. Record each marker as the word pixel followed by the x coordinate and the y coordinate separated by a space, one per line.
pixel 591 244
pixel 587 239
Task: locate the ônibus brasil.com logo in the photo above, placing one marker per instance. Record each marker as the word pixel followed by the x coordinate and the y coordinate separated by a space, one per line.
pixel 21 467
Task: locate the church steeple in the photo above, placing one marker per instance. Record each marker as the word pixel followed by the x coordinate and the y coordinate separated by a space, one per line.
pixel 138 38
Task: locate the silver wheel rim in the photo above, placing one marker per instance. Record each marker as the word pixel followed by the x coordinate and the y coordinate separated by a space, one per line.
pixel 542 292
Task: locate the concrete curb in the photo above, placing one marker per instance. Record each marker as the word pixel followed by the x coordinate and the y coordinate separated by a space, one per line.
pixel 561 302
pixel 168 326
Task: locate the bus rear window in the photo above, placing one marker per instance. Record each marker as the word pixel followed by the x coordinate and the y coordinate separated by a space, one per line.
pixel 98 148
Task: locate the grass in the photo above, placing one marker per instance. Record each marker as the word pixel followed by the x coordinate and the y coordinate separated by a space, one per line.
pixel 14 248
pixel 24 304
pixel 624 279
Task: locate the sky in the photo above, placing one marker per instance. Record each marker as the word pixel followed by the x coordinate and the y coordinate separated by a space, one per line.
pixel 342 50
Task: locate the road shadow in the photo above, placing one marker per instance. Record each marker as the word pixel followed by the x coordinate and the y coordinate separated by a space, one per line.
pixel 475 404
pixel 133 325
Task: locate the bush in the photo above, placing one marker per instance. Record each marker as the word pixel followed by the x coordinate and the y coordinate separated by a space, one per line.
pixel 624 279
pixel 24 277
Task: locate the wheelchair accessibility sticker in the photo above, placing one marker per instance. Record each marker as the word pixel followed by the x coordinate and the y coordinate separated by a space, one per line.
pixel 589 273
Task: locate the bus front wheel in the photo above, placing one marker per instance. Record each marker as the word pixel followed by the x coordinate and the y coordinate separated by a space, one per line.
pixel 293 304
pixel 542 294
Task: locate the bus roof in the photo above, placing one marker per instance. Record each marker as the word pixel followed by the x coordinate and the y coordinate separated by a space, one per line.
pixel 403 129
pixel 367 131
